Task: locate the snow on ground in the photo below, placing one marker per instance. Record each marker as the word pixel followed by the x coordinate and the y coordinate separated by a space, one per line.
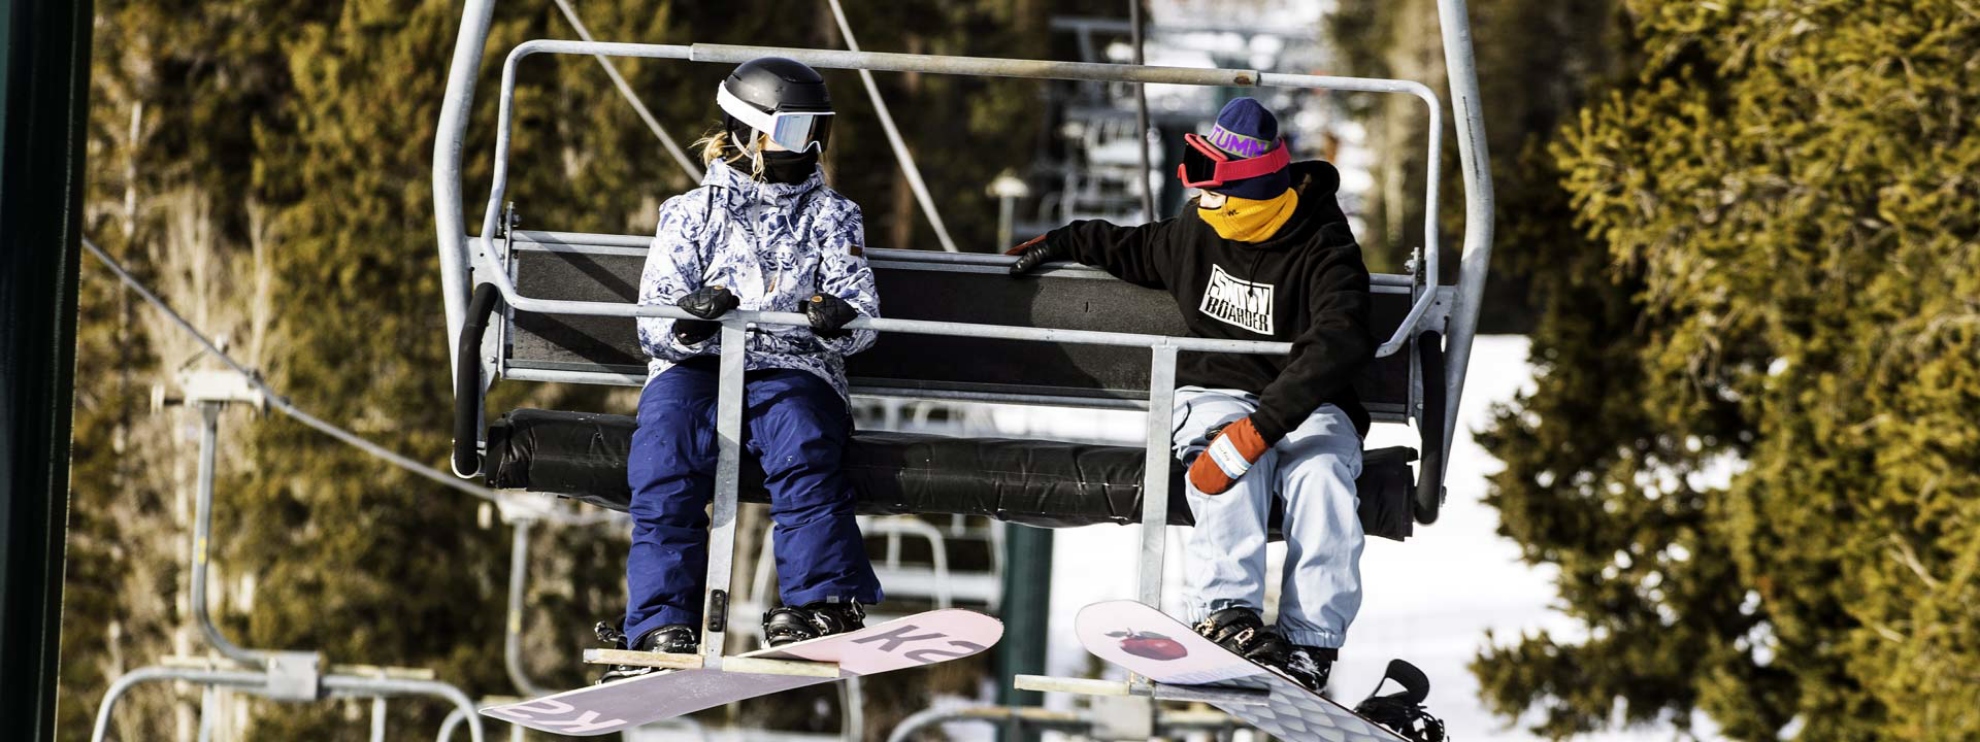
pixel 1429 600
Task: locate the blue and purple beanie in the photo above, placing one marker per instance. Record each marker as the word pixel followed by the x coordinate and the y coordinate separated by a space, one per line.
pixel 1245 129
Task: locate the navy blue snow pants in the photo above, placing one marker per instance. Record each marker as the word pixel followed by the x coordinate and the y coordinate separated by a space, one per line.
pixel 797 426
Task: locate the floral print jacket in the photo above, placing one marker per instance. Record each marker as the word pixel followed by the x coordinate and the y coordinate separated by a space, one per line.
pixel 773 245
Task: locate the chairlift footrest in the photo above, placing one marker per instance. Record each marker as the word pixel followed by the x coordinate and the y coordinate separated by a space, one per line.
pixel 752 665
pixel 636 658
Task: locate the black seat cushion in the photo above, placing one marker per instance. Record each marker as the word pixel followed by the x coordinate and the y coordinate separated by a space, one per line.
pixel 1048 484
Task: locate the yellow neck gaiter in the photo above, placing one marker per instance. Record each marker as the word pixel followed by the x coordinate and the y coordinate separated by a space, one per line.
pixel 1246 220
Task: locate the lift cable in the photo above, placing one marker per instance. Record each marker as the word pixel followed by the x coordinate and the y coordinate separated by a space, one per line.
pixel 625 89
pixel 901 152
pixel 282 403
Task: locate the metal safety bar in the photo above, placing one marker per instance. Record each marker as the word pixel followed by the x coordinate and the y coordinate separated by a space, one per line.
pixel 1027 68
pixel 506 285
pixel 596 243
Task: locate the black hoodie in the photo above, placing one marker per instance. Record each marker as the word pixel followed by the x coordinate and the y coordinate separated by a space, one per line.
pixel 1305 285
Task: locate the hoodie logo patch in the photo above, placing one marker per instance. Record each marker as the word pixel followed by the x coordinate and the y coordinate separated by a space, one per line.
pixel 1238 302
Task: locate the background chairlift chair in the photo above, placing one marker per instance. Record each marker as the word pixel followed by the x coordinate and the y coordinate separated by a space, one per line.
pixel 550 306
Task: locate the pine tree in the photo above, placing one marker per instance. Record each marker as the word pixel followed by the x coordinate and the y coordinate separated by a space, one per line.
pixel 294 140
pixel 1750 449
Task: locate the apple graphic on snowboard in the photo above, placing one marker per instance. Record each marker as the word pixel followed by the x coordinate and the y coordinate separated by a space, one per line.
pixel 1150 645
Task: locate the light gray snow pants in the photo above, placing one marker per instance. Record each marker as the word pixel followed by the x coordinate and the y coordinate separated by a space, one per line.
pixel 1313 471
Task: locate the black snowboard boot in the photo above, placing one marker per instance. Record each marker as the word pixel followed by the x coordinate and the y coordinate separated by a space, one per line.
pixel 1241 630
pixel 1311 666
pixel 670 639
pixel 785 624
pixel 1402 712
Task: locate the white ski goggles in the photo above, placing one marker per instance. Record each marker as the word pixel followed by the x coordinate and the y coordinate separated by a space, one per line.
pixel 796 131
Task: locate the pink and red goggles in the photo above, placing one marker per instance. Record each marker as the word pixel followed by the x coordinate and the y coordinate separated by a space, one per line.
pixel 1205 166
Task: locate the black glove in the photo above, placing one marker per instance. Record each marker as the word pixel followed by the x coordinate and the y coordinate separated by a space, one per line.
pixel 707 302
pixel 1035 252
pixel 829 315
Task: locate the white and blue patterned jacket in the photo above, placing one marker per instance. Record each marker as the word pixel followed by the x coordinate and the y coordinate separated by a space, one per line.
pixel 773 245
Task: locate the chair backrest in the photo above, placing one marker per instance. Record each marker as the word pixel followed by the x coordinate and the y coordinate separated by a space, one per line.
pixel 923 285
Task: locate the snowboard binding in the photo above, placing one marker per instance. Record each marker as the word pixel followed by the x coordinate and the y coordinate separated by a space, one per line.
pixel 1402 712
pixel 791 624
pixel 1242 631
pixel 670 639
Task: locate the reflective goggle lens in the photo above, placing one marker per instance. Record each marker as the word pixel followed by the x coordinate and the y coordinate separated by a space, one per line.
pixel 799 131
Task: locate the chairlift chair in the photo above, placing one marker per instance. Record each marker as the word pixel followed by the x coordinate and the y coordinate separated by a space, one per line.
pixel 560 307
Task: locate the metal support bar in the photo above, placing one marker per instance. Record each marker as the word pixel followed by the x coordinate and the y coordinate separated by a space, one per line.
pixel 1155 476
pixel 451 136
pixel 258 682
pixel 989 66
pixel 1155 482
pixel 639 244
pixel 728 478
pixel 378 719
pixel 209 432
pixel 919 327
pixel 1474 163
pixel 852 702
pixel 512 629
pixel 207 698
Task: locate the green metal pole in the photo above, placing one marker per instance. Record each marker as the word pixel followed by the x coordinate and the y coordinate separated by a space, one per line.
pixel 1027 606
pixel 44 74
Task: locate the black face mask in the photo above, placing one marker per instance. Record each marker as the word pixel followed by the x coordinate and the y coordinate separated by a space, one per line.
pixel 790 168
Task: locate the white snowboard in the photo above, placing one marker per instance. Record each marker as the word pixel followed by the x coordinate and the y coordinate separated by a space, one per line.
pixel 1150 643
pixel 920 639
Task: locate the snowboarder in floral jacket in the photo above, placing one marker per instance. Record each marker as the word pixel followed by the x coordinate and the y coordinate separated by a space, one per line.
pixel 762 233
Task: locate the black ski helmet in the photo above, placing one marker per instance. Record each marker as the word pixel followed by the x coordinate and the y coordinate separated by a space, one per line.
pixel 770 86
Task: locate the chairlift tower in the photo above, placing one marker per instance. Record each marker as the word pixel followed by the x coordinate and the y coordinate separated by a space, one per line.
pixel 287 676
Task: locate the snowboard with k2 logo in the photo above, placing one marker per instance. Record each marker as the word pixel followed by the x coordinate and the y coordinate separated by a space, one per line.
pixel 914 641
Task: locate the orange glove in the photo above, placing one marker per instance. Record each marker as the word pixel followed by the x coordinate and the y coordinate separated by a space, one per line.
pixel 1234 447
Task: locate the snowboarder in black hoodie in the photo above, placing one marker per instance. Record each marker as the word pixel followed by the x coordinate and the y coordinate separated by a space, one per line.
pixel 1264 253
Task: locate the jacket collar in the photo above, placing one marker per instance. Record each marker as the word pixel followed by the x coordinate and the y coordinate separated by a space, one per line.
pixel 739 188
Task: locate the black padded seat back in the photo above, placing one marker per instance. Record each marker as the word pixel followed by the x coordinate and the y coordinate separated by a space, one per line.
pixel 925 286
pixel 568 342
pixel 1040 483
